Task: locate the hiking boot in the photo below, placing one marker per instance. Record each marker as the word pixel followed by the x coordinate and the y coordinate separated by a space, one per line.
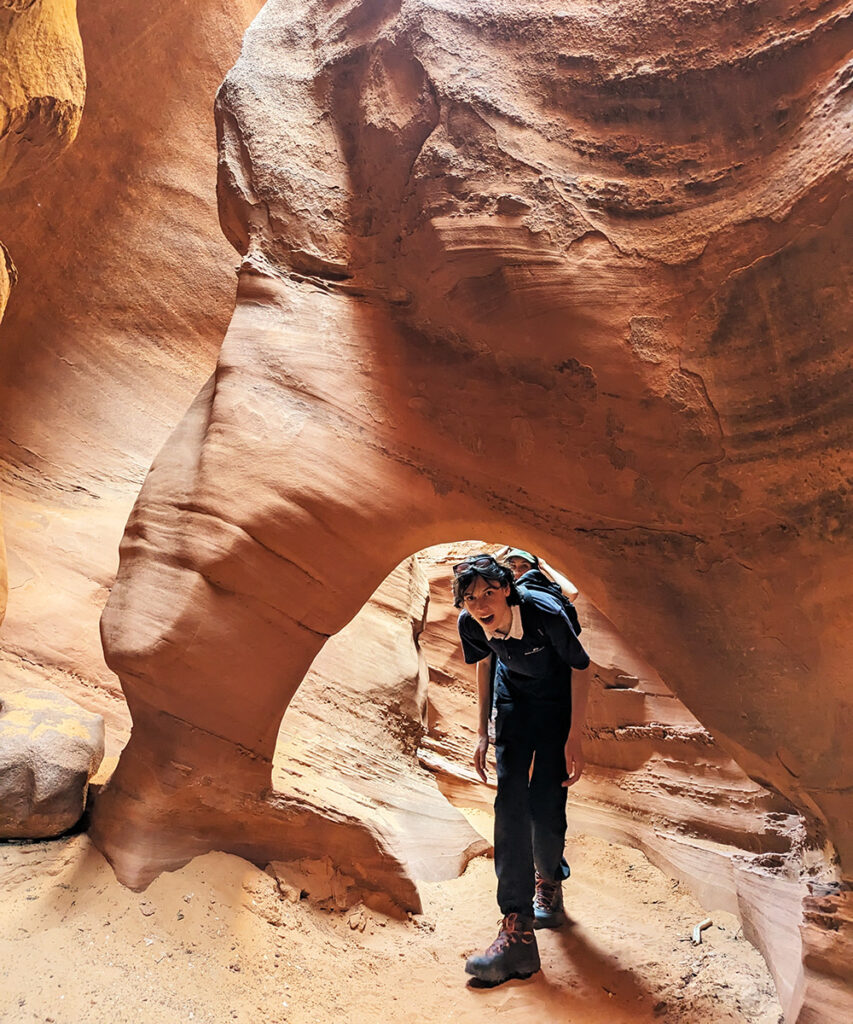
pixel 513 954
pixel 548 903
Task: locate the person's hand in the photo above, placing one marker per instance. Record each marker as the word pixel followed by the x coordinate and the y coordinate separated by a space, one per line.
pixel 480 752
pixel 574 759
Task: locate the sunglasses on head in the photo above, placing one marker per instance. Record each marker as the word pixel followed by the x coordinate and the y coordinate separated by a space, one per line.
pixel 477 562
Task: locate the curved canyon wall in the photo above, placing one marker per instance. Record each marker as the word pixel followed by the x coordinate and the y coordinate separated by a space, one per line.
pixel 125 287
pixel 348 746
pixel 570 277
pixel 574 278
pixel 42 91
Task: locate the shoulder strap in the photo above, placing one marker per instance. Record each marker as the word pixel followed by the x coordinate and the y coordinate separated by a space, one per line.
pixel 554 590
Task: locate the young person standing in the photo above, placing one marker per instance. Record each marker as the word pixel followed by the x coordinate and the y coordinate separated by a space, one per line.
pixel 540 716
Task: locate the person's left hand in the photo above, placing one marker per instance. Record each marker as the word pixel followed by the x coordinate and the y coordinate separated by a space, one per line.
pixel 574 759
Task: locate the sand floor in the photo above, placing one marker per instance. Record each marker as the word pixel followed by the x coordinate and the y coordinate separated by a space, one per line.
pixel 217 942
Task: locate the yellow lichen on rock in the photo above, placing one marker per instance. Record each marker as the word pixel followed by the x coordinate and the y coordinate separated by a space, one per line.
pixel 49 749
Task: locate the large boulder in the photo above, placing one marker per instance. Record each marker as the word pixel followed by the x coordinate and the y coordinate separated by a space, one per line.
pixel 50 748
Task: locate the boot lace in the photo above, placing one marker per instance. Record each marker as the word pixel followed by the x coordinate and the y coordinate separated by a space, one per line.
pixel 546 893
pixel 511 933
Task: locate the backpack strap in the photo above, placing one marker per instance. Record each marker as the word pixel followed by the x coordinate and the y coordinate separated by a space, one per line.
pixel 554 590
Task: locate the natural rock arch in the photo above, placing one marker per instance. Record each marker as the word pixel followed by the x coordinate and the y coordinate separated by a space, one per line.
pixel 574 278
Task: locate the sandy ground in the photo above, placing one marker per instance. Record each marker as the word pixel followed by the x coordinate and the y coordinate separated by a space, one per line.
pixel 217 942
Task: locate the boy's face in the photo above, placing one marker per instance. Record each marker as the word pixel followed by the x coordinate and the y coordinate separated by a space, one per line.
pixel 519 566
pixel 486 602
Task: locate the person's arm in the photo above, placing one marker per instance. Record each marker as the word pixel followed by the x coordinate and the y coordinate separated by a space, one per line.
pixel 566 585
pixel 476 652
pixel 484 711
pixel 575 760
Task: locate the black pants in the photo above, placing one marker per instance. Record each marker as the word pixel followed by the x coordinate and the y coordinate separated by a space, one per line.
pixel 530 809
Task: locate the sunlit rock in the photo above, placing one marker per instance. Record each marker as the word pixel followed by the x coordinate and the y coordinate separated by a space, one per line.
pixel 50 748
pixel 576 278
pixel 42 90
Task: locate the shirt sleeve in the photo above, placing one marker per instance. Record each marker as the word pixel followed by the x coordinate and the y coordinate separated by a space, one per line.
pixel 565 642
pixel 474 646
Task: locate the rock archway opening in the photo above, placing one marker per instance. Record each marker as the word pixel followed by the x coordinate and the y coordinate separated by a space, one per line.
pixel 384 725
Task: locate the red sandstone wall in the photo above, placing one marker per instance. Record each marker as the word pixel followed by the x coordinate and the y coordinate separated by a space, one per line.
pixel 42 90
pixel 569 276
pixel 634 233
pixel 125 288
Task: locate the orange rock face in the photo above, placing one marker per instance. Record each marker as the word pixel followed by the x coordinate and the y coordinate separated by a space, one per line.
pixel 125 288
pixel 349 741
pixel 42 84
pixel 42 90
pixel 571 277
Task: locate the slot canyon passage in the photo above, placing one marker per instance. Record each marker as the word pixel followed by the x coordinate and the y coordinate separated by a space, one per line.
pixel 572 276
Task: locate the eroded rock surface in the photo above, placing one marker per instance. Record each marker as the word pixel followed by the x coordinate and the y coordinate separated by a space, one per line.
pixel 42 84
pixel 347 789
pixel 350 738
pixel 49 749
pixel 42 91
pixel 125 287
pixel 575 278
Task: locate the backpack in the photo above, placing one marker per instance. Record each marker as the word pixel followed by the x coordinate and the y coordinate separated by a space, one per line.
pixel 540 584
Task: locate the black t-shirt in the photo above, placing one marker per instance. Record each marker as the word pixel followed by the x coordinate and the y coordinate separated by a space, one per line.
pixel 540 664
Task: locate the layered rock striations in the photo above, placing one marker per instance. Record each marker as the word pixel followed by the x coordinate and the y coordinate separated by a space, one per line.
pixel 42 91
pixel 570 276
pixel 349 741
pixel 125 288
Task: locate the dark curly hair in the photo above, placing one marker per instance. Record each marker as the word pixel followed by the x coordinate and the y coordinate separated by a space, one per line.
pixel 492 572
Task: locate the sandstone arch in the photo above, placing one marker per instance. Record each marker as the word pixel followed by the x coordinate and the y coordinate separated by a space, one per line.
pixel 604 251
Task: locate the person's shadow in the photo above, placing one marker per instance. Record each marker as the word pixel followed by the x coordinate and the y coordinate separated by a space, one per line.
pixel 593 963
pixel 613 990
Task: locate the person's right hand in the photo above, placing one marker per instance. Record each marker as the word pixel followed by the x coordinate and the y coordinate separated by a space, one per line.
pixel 480 752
